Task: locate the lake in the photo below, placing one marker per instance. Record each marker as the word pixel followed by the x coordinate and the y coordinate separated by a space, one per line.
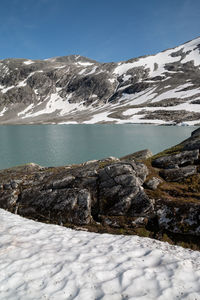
pixel 56 145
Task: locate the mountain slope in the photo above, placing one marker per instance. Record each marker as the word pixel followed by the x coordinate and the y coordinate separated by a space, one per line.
pixel 162 88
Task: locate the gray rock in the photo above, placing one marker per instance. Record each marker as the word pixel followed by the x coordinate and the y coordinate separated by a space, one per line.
pixel 140 205
pixel 14 184
pixel 139 155
pixel 120 189
pixel 62 183
pixel 153 183
pixel 178 174
pixel 83 210
pixel 62 205
pixel 192 143
pixel 119 206
pixel 118 169
pixel 172 161
pixel 141 171
pixel 7 186
pixel 182 218
pixel 126 180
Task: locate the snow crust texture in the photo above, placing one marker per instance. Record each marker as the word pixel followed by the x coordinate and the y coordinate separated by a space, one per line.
pixel 40 261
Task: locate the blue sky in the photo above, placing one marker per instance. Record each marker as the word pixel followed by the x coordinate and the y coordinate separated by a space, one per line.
pixel 105 30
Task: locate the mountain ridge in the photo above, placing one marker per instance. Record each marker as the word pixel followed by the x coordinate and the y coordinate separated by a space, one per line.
pixel 163 88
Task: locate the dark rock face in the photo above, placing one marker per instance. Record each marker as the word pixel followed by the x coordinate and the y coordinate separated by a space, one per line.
pixel 171 161
pixel 177 174
pixel 182 222
pixel 195 133
pixel 176 167
pixel 192 143
pixel 64 205
pixel 77 195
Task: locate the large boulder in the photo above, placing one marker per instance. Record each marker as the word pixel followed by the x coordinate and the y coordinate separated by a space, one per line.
pixel 121 191
pixel 76 194
pixel 69 205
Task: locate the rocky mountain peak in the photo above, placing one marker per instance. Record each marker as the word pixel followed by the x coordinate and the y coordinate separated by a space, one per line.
pixel 163 88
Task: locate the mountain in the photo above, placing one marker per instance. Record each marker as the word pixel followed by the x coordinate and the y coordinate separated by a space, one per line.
pixel 162 88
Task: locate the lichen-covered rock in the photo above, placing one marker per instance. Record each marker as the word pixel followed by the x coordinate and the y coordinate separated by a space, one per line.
pixel 138 156
pixel 180 218
pixel 7 186
pixel 153 183
pixel 61 183
pixel 8 199
pixel 120 190
pixel 178 174
pixel 171 161
pixel 192 143
pixel 141 171
pixel 61 205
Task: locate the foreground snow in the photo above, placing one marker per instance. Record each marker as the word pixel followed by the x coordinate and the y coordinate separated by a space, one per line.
pixel 40 261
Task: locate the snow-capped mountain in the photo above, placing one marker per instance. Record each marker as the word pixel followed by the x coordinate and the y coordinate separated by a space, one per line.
pixel 162 88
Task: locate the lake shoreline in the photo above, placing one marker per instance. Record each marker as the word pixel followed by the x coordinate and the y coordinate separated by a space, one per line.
pixel 139 194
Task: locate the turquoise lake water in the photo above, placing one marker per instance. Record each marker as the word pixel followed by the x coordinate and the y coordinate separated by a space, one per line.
pixel 55 145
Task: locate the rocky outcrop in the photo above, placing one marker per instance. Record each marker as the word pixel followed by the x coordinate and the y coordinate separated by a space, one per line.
pixel 138 156
pixel 176 160
pixel 155 196
pixel 120 190
pixel 178 174
pixel 185 218
pixel 78 195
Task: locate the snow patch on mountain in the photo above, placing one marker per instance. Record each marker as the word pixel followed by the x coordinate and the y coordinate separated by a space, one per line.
pixel 149 62
pixel 28 62
pixel 5 89
pixel 85 64
pixel 3 111
pixel 26 110
pixel 75 88
pixel 176 93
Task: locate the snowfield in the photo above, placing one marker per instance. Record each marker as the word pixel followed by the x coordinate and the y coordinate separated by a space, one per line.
pixel 40 261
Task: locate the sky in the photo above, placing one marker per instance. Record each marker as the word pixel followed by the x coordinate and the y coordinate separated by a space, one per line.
pixel 104 30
